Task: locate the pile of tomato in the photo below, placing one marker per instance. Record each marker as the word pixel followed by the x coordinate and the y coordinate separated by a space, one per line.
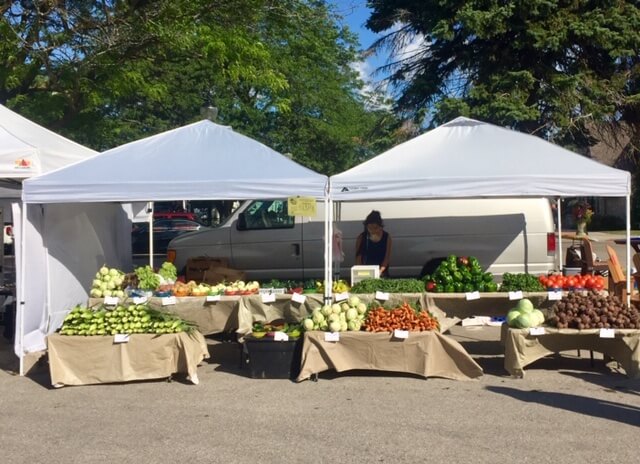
pixel 572 282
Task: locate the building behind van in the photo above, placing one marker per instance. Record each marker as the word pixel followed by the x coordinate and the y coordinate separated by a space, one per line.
pixel 505 234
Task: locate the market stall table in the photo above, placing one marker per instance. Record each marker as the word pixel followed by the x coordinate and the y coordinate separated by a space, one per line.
pixel 488 303
pixel 83 360
pixel 522 348
pixel 428 354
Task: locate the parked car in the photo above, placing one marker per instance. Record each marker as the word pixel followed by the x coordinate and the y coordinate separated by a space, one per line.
pixel 164 230
pixel 506 235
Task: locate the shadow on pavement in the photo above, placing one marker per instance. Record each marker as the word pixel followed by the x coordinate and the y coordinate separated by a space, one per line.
pixel 594 407
pixel 614 383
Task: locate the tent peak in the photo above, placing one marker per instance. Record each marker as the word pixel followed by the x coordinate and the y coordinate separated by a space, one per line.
pixel 463 122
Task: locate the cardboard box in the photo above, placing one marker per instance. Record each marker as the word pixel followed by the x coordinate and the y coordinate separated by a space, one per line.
pixel 196 267
pixel 359 273
pixel 215 275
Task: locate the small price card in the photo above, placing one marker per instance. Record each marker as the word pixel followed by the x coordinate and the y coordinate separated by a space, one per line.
pixel 341 296
pixel 536 331
pixel 268 298
pixel 472 295
pixel 515 295
pixel 381 296
pixel 111 300
pixel 280 337
pixel 554 295
pixel 397 333
pixel 607 333
pixel 302 206
pixel 298 298
pixel 213 298
pixel 121 338
pixel 139 299
pixel 168 300
pixel 332 336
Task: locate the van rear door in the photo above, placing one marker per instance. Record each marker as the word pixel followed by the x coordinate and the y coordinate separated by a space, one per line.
pixel 266 242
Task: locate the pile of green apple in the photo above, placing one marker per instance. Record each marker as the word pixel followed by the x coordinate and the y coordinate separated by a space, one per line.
pixel 123 319
pixel 107 282
pixel 338 317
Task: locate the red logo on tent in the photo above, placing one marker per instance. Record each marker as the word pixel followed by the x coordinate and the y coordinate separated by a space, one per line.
pixel 22 163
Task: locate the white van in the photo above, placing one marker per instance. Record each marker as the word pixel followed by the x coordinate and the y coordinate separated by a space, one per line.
pixel 506 235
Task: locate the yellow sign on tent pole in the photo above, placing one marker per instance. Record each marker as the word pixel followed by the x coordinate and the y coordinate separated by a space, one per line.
pixel 302 206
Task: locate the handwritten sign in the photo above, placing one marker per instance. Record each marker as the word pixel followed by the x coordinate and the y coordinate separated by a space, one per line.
pixel 554 295
pixel 121 338
pixel 139 300
pixel 280 337
pixel 268 298
pixel 332 336
pixel 382 296
pixel 298 298
pixel 607 333
pixel 397 333
pixel 515 295
pixel 341 296
pixel 536 331
pixel 302 206
pixel 168 300
pixel 111 300
pixel 472 295
pixel 213 298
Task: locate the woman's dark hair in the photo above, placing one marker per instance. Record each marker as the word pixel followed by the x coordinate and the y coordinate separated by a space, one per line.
pixel 374 217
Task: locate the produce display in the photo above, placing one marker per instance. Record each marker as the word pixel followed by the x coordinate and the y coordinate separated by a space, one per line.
pixel 388 286
pixel 262 330
pixel 339 317
pixel 572 282
pixel 593 311
pixel 521 282
pixel 459 274
pixel 403 317
pixel 524 315
pixel 338 286
pixel 192 288
pixel 123 319
pixel 291 286
pixel 107 282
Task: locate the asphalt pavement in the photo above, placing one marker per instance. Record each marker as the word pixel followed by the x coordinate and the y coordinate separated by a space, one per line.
pixel 565 410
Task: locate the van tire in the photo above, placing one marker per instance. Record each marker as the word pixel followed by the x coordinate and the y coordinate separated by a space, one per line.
pixel 431 266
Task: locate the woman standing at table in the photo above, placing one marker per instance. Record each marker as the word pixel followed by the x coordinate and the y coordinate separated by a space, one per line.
pixel 373 245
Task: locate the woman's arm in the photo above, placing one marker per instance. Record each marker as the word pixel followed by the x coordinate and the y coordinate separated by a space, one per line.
pixel 358 247
pixel 387 256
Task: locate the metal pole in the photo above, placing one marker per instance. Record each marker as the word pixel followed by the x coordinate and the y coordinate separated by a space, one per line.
pixel 559 212
pixel 629 276
pixel 22 280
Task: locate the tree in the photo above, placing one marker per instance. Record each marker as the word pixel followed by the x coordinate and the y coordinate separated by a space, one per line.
pixel 563 69
pixel 107 72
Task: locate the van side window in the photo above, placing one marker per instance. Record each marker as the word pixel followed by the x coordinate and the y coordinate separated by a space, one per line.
pixel 268 214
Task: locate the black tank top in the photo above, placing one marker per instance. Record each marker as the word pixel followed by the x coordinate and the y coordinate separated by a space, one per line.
pixel 373 252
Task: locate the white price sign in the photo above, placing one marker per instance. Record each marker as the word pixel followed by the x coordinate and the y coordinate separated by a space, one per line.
pixel 382 296
pixel 332 336
pixel 139 300
pixel 168 300
pixel 213 298
pixel 280 337
pixel 397 333
pixel 536 331
pixel 121 338
pixel 268 298
pixel 554 295
pixel 607 333
pixel 111 300
pixel 298 298
pixel 472 295
pixel 515 295
pixel 342 296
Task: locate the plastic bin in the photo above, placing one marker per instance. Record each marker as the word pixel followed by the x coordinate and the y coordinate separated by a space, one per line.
pixel 568 271
pixel 268 359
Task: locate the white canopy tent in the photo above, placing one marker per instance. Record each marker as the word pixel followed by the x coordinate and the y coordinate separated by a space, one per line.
pixel 202 161
pixel 466 158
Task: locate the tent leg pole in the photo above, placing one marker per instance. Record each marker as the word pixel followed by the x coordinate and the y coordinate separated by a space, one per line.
pixel 629 276
pixel 23 274
pixel 559 212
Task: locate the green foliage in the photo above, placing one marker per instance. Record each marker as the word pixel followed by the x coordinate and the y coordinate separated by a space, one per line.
pixel 106 73
pixel 557 69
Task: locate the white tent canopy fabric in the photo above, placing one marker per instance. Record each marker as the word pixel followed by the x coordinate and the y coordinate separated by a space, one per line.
pixel 77 225
pixel 469 158
pixel 200 161
pixel 27 149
